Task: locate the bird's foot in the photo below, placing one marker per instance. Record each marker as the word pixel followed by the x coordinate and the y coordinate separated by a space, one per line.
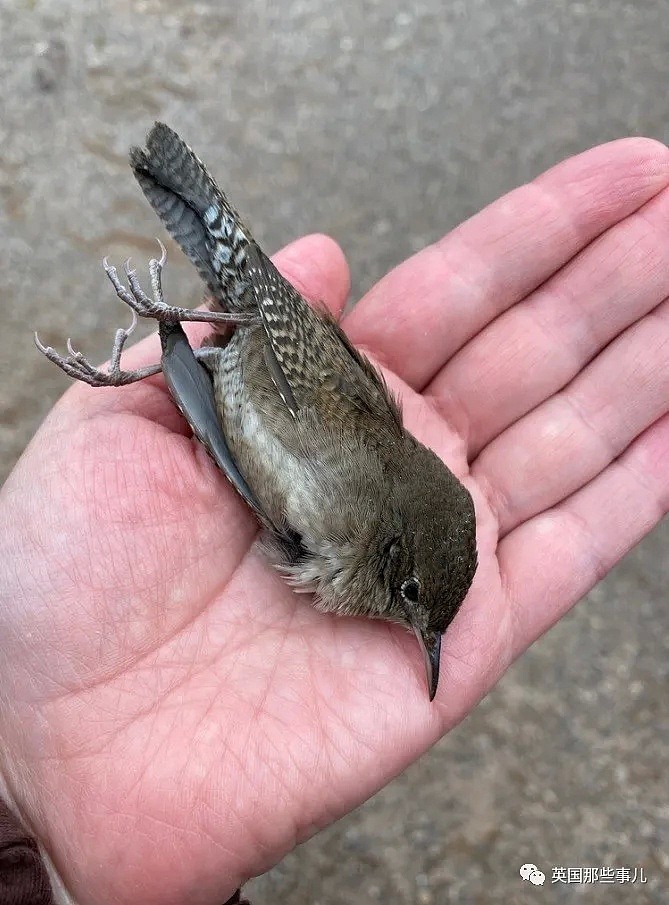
pixel 78 366
pixel 156 307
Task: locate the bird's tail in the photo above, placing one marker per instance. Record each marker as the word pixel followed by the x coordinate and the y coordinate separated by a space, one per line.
pixel 196 213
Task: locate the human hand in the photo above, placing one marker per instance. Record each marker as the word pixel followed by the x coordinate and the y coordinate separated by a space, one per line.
pixel 174 719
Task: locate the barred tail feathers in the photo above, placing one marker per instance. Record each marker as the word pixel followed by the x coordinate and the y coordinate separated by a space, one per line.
pixel 195 211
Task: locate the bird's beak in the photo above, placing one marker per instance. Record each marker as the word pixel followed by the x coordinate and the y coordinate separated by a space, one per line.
pixel 430 644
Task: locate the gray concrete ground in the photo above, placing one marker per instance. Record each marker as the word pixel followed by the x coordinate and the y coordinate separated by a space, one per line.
pixel 384 124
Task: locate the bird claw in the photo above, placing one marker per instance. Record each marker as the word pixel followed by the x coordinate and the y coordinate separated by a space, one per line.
pixel 76 365
pixel 134 296
pixel 163 256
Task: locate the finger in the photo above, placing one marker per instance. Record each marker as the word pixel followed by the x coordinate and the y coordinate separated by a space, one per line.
pixel 317 267
pixel 426 309
pixel 551 561
pixel 571 438
pixel 537 347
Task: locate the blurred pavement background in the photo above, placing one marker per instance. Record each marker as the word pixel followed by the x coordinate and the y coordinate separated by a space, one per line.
pixel 383 124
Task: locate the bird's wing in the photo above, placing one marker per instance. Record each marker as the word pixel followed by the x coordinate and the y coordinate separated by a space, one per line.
pixel 310 359
pixel 192 390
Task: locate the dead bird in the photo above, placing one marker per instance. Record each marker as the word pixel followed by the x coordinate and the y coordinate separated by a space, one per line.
pixel 355 509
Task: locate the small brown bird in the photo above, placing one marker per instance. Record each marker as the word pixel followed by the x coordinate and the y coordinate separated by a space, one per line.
pixel 356 510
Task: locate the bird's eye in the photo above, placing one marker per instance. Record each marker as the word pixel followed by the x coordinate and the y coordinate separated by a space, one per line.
pixel 411 589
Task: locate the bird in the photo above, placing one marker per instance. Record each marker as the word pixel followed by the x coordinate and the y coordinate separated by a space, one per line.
pixel 356 511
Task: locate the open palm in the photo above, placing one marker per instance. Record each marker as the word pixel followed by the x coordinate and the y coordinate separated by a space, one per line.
pixel 174 719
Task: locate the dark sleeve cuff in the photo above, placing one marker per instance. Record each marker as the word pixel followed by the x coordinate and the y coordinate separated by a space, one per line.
pixel 23 879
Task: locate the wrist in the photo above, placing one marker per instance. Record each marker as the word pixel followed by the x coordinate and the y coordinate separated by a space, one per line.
pixel 34 878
